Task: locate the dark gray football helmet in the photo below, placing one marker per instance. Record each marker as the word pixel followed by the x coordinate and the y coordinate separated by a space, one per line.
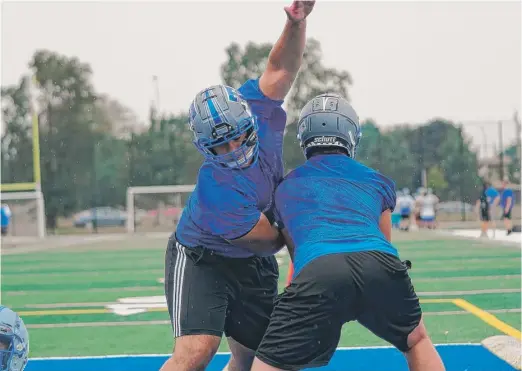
pixel 328 120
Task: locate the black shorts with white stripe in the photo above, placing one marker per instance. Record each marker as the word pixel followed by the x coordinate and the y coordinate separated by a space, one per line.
pixel 211 294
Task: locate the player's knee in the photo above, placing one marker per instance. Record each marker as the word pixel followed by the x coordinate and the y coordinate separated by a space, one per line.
pixel 417 335
pixel 242 357
pixel 194 352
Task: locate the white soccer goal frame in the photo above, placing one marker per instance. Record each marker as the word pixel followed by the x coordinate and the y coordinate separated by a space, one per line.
pixel 40 206
pixel 132 191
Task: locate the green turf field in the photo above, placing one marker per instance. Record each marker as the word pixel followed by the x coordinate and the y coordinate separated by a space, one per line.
pixel 63 293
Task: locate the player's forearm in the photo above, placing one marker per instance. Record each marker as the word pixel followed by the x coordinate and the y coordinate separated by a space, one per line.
pixel 287 53
pixel 284 60
pixel 266 247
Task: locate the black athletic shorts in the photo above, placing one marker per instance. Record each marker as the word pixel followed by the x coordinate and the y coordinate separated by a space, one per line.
pixel 506 215
pixel 211 294
pixel 371 287
pixel 405 216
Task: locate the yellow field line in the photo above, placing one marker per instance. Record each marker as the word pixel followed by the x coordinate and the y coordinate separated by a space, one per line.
pixel 435 301
pixel 488 318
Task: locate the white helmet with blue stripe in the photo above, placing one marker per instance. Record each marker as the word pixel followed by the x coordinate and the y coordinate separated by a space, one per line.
pixel 14 341
pixel 219 115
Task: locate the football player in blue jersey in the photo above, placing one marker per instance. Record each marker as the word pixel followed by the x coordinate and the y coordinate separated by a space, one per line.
pixel 336 213
pixel 220 272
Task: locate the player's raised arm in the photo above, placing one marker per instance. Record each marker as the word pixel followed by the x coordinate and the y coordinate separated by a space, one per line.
pixel 286 56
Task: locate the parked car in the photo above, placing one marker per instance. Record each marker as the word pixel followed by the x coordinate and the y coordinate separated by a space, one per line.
pixel 105 217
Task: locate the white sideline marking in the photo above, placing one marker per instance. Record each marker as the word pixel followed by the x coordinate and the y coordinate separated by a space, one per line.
pixel 499 235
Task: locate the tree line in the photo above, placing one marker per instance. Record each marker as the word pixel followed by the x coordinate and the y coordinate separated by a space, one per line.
pixel 93 147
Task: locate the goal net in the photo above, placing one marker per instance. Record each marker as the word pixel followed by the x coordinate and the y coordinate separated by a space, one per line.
pixel 156 208
pixel 27 214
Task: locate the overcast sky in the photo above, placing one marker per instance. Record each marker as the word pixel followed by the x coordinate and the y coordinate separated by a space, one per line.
pixel 410 61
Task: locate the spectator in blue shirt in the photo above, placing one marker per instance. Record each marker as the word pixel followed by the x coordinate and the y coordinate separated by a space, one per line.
pixel 5 217
pixel 493 196
pixel 507 200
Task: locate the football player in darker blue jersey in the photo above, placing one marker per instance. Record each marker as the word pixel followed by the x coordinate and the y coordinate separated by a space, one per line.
pixel 336 214
pixel 220 272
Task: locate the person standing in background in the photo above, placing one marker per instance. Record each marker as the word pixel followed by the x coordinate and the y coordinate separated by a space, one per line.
pixel 493 199
pixel 429 209
pixel 488 197
pixel 5 216
pixel 507 200
pixel 405 206
pixel 419 204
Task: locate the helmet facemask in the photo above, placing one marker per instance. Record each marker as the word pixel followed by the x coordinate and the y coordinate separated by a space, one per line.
pixel 12 353
pixel 241 157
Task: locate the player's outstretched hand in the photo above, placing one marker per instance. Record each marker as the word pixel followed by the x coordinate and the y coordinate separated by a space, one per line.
pixel 299 10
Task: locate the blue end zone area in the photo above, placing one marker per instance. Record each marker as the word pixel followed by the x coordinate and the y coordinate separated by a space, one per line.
pixel 457 357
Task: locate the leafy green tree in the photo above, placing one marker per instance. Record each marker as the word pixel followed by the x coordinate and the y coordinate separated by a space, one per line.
pixel 436 180
pixel 164 155
pixel 67 127
pixel 17 134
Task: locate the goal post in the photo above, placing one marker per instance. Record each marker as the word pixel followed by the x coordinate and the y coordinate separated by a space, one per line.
pixel 170 195
pixel 26 217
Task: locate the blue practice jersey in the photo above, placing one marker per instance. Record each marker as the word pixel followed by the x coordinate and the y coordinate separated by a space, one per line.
pixel 507 193
pixel 333 204
pixel 492 193
pixel 227 203
pixel 5 214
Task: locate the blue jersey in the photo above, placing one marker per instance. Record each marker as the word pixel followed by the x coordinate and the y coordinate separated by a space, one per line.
pixel 333 204
pixel 492 193
pixel 506 193
pixel 5 216
pixel 227 203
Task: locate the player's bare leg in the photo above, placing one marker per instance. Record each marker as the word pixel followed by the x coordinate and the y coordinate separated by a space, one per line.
pixel 192 353
pixel 484 226
pixel 259 365
pixel 508 224
pixel 404 224
pixel 242 357
pixel 422 355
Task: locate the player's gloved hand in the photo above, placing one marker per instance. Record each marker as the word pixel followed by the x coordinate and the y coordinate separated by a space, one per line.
pixel 299 10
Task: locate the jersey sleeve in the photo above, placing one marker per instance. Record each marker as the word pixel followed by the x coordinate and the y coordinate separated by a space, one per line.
pixel 225 210
pixel 266 109
pixel 389 196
